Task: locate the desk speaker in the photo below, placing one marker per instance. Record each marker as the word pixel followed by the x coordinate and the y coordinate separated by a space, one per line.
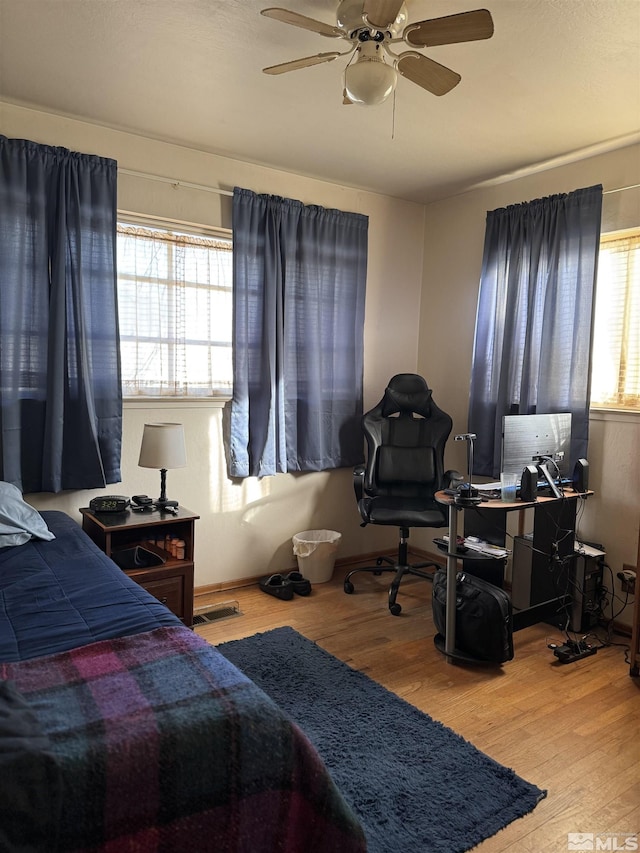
pixel 580 477
pixel 529 483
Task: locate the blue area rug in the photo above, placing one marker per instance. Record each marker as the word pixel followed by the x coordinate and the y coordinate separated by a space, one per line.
pixel 416 786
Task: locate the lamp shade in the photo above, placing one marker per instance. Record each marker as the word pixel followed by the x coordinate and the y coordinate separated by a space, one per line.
pixel 163 446
pixel 369 80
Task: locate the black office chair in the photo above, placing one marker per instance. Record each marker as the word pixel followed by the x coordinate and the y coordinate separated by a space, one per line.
pixel 405 434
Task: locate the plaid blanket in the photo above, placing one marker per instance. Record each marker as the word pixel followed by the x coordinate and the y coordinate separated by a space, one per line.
pixel 160 744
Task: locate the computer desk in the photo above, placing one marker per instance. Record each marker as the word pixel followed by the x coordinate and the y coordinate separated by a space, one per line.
pixel 551 514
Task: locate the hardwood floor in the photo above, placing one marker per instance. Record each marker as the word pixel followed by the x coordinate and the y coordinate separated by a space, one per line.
pixel 572 729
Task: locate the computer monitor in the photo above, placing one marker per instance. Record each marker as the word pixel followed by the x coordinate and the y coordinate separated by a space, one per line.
pixel 529 439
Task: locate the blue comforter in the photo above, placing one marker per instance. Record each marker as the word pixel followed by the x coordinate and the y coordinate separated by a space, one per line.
pixel 65 593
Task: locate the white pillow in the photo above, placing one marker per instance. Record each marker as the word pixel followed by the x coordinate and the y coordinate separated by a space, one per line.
pixel 19 522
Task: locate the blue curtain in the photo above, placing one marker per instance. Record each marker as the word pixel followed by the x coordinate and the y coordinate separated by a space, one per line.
pixel 299 275
pixel 532 349
pixel 60 393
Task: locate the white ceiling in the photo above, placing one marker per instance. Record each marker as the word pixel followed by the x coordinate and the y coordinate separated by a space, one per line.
pixel 559 79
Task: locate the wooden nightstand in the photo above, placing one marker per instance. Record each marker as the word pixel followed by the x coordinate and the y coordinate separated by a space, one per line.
pixel 172 582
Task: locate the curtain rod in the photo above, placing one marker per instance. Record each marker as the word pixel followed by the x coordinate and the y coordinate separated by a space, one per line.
pixel 204 188
pixel 621 189
pixel 175 183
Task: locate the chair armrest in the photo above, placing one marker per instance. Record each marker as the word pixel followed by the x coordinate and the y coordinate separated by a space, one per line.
pixel 452 479
pixel 358 482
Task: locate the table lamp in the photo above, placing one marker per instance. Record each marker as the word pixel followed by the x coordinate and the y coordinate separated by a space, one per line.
pixel 163 447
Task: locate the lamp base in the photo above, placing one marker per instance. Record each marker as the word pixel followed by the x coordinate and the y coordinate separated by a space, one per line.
pixel 170 507
pixel 163 502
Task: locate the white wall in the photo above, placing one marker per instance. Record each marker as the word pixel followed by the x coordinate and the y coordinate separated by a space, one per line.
pixel 454 237
pixel 245 527
pixel 415 319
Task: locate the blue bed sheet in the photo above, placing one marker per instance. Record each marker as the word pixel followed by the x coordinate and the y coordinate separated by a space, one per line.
pixel 65 593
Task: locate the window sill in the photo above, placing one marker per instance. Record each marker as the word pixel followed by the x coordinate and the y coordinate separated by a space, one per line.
pixel 621 415
pixel 178 402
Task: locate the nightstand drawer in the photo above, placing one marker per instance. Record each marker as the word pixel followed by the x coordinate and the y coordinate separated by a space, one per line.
pixel 171 584
pixel 170 591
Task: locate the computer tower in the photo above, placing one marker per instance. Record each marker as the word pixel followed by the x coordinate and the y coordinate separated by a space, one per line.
pixel 586 585
pixel 583 583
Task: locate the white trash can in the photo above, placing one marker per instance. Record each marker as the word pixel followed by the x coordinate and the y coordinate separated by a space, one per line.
pixel 316 553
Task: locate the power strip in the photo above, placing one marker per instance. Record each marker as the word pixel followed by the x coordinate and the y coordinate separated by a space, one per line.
pixel 572 651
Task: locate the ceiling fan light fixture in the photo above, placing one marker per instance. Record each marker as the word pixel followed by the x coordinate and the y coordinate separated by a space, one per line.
pixel 369 80
pixel 372 27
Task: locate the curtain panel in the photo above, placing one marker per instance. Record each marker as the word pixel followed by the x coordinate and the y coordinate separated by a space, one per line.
pixel 61 401
pixel 299 276
pixel 534 323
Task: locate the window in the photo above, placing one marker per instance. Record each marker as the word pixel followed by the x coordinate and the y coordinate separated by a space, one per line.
pixel 615 381
pixel 174 306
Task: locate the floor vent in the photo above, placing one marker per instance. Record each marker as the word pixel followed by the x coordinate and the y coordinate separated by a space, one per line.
pixel 214 612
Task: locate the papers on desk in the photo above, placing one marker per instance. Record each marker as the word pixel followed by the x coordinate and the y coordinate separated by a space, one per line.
pixel 484 548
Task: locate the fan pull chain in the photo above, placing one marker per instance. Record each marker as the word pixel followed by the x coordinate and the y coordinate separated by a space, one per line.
pixel 393 117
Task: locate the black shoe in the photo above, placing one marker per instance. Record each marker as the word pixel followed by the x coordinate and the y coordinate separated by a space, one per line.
pixel 277 585
pixel 301 586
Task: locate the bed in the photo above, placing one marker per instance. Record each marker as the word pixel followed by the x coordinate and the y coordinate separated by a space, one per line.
pixel 122 730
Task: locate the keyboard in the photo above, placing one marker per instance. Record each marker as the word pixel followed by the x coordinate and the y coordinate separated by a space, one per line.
pixel 563 482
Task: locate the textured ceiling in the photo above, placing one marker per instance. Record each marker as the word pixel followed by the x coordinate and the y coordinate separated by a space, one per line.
pixel 559 79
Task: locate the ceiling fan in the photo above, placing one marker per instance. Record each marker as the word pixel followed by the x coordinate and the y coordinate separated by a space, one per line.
pixel 371 27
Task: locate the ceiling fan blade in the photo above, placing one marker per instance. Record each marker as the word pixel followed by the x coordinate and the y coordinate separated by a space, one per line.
pixel 466 26
pixel 435 78
pixel 298 20
pixel 301 63
pixel 382 13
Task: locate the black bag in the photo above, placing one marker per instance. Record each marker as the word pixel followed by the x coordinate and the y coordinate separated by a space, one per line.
pixel 484 625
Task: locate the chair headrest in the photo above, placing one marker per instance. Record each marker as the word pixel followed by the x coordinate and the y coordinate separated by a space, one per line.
pixel 407 392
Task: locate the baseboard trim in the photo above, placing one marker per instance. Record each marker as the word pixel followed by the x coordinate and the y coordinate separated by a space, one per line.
pixel 619 628
pixel 415 555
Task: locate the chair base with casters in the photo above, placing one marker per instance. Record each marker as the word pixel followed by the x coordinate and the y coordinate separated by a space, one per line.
pixel 401 568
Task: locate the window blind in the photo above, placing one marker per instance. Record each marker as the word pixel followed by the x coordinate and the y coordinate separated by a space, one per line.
pixel 174 309
pixel 615 379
